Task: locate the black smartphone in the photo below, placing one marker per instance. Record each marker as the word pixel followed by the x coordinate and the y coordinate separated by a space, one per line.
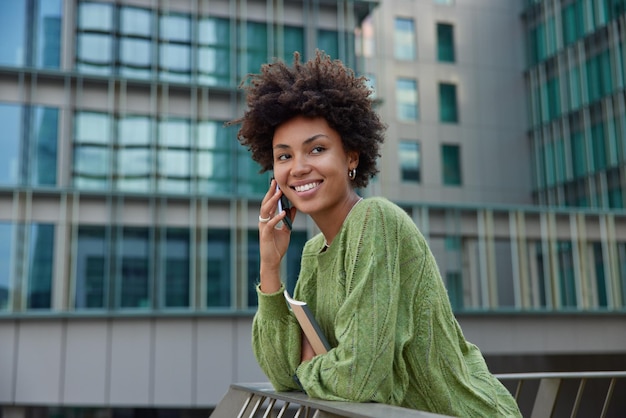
pixel 284 204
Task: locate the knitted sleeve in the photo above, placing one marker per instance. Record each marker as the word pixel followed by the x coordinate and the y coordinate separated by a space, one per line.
pixel 276 340
pixel 360 367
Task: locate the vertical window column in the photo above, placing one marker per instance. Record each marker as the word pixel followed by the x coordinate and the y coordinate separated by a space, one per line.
pixel 135 43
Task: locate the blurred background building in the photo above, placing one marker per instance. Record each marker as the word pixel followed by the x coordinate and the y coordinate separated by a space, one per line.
pixel 128 212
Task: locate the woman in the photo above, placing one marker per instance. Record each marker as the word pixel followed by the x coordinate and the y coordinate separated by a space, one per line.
pixel 369 276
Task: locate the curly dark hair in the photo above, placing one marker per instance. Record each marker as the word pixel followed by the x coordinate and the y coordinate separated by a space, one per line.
pixel 320 87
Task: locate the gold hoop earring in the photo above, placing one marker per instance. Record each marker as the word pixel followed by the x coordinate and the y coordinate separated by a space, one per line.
pixel 352 174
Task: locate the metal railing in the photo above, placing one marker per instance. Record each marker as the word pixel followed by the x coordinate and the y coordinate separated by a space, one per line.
pixel 260 400
pixel 539 395
pixel 568 394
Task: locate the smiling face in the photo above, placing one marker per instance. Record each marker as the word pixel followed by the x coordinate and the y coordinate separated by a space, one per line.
pixel 311 166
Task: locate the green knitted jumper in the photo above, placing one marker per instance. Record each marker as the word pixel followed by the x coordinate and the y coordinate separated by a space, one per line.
pixel 379 298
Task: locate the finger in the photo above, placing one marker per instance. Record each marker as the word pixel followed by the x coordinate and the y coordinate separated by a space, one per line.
pixel 275 221
pixel 269 203
pixel 271 191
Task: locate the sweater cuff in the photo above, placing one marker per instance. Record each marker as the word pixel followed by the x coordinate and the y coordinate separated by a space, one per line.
pixel 272 305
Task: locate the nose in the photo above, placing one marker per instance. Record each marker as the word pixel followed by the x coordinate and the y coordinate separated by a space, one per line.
pixel 300 166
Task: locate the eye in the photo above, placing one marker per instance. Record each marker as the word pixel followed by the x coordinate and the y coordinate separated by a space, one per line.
pixel 317 150
pixel 282 157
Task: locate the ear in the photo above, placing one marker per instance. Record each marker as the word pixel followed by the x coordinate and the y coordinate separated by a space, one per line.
pixel 353 159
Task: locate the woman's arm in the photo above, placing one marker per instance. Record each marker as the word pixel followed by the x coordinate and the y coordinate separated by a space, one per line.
pixel 276 340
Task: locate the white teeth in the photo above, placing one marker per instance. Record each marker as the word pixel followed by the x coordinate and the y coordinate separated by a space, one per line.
pixel 306 187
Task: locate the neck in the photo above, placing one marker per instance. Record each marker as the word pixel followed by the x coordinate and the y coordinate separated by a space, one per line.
pixel 331 224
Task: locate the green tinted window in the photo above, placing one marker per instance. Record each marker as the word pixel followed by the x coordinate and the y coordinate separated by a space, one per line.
pixel 40 266
pixel 445 42
pixel 451 165
pixel 448 110
pixel 328 41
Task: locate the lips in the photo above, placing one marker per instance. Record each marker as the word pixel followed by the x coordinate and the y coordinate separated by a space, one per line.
pixel 306 187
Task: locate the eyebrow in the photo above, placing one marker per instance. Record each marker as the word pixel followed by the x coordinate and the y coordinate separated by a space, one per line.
pixel 306 141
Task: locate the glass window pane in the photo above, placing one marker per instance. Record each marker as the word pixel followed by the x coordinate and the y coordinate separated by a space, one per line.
pixel 175 62
pixel 218 256
pixel 568 18
pixel 328 41
pixel 91 268
pixel 91 167
pixel 448 111
pixel 409 161
pixel 406 99
pixel 40 267
pixel 92 128
pixel 95 16
pixel 94 53
pixel 214 160
pixel 48 36
pixel 575 90
pixel 135 57
pixel 579 160
pixel 214 66
pixel 6 267
pixel 174 168
pixel 445 42
pixel 254 262
pixel 213 135
pixel 248 178
pixel 451 165
pixel 12 24
pixel 598 146
pixel 176 255
pixel 134 130
pixel 134 162
pixel 10 120
pixel 43 161
pixel 567 281
pixel 174 163
pixel 134 169
pixel 174 133
pixel 404 39
pixel 214 172
pixel 135 21
pixel 293 41
pixel 134 273
pixel 214 51
pixel 256 53
pixel 294 257
pixel 593 78
pixel 214 31
pixel 175 28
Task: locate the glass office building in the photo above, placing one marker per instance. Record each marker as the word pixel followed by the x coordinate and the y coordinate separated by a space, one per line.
pixel 115 152
pixel 577 116
pixel 122 193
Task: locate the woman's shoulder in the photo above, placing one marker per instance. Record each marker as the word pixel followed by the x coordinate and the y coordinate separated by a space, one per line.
pixel 313 245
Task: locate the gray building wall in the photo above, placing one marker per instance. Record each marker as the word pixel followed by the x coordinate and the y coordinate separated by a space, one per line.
pixel 488 72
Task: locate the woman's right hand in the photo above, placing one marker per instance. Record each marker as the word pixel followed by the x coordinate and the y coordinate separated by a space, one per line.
pixel 273 240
